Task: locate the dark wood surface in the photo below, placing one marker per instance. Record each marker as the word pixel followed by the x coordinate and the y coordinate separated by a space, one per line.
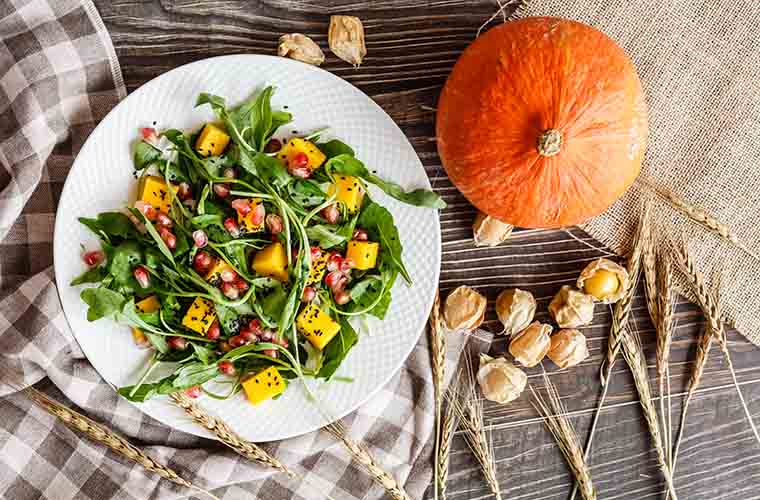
pixel 411 49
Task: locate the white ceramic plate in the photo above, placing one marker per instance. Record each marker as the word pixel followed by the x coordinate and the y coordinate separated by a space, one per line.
pixel 101 179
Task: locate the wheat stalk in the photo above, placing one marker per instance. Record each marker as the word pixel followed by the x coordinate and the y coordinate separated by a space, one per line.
pixel 697 214
pixel 226 435
pixel 438 355
pixel 363 457
pixel 555 418
pixel 107 437
pixel 633 353
pixel 469 409
pixel 448 426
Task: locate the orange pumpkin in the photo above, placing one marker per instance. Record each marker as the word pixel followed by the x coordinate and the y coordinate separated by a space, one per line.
pixel 542 123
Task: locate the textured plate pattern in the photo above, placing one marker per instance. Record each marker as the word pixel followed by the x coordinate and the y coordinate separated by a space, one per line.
pixel 101 179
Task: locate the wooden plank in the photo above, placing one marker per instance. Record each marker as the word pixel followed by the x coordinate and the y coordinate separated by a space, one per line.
pixel 411 49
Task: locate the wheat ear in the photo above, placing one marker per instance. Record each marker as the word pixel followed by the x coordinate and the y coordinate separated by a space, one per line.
pixel 438 362
pixel 665 329
pixel 633 353
pixel 448 426
pixel 361 455
pixel 469 409
pixel 107 437
pixel 696 214
pixel 555 418
pixel 649 264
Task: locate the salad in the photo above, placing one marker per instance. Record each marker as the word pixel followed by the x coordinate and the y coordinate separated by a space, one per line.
pixel 246 257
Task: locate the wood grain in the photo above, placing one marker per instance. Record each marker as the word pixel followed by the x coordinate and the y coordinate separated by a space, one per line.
pixel 412 46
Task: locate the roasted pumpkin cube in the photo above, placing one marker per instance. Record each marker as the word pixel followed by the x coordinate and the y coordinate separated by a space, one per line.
pixel 155 190
pixel 264 385
pixel 347 190
pixel 200 316
pixel 212 140
pixel 363 253
pixel 215 273
pixel 246 222
pixel 317 326
pixel 318 268
pixel 297 145
pixel 147 305
pixel 272 261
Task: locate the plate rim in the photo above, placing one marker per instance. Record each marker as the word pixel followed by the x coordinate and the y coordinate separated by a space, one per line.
pixel 429 296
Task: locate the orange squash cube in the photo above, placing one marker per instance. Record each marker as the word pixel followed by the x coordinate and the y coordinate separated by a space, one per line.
pixel 272 261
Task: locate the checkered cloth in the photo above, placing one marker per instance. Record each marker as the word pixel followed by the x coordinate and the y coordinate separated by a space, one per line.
pixel 58 77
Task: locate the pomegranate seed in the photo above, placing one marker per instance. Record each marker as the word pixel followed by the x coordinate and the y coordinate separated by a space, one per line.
pixel 309 294
pixel 229 291
pixel 360 235
pixel 274 223
pixel 227 368
pixel 242 206
pixel 248 335
pixel 331 214
pixel 342 297
pixel 228 275
pixel 232 227
pixel 183 191
pixel 200 238
pixel 177 343
pixel 334 262
pixel 300 172
pixel 149 134
pixel 171 241
pixel 141 275
pixel 272 353
pixel 316 253
pixel 137 223
pixel 214 331
pixel 146 209
pixel 266 336
pixel 193 392
pixel 240 284
pixel 336 281
pixel 93 258
pixel 236 341
pixel 273 146
pixel 225 346
pixel 346 264
pixel 255 326
pixel 202 262
pixel 258 214
pixel 189 203
pixel 299 160
pixel 162 219
pixel 283 342
pixel 229 173
pixel 221 190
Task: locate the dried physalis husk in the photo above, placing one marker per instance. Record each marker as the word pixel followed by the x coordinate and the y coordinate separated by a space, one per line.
pixel 571 308
pixel 346 39
pixel 515 309
pixel 500 380
pixel 531 345
pixel 489 232
pixel 604 280
pixel 568 348
pixel 464 309
pixel 301 48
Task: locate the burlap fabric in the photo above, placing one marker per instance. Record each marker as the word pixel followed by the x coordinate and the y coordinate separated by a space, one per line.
pixel 699 63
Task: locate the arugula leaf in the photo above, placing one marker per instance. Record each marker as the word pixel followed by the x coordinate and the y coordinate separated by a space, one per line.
pixel 228 319
pixel 378 222
pixel 366 291
pixel 123 261
pixel 271 171
pixel 273 303
pixel 94 275
pixel 219 105
pixel 335 148
pixel 111 224
pixel 337 349
pixel 204 354
pixel 326 236
pixel 306 193
pixel 141 395
pixel 102 301
pixel 194 373
pixel 154 234
pixel 145 155
pixel 153 258
pixel 158 342
pixel 264 121
pixel 348 165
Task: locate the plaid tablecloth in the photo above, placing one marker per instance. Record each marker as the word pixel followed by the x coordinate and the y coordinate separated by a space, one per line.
pixel 58 77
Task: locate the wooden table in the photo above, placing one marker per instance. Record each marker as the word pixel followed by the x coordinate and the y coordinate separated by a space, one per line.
pixel 411 49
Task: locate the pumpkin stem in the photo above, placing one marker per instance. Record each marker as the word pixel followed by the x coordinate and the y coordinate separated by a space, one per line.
pixel 550 142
